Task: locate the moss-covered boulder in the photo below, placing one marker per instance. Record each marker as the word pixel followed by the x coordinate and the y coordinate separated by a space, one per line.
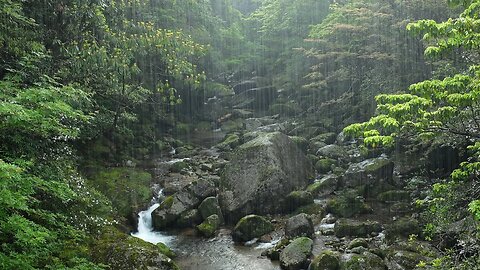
pixel 369 172
pixel 250 227
pixel 178 166
pixel 367 260
pixel 402 227
pixel 393 196
pixel 326 260
pixel 356 228
pixel 358 242
pixel 301 142
pixel 189 218
pixel 403 259
pixel 260 174
pixel 231 141
pixel 299 225
pixel 326 185
pixel 324 165
pixel 274 252
pixel 327 138
pixel 121 251
pixel 347 204
pixel 296 254
pixel 209 207
pixel 333 151
pixel 209 226
pixel 298 198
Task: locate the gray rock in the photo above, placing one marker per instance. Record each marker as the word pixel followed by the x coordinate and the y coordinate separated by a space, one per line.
pixel 402 259
pixel 298 198
pixel 209 226
pixel 296 254
pixel 327 260
pixel 326 185
pixel 209 207
pixel 299 225
pixel 251 226
pixel 186 199
pixel 189 218
pixel 369 172
pixel 349 227
pixel 261 173
pixel 333 151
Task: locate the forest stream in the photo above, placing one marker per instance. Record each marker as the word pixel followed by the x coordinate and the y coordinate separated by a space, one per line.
pixel 196 253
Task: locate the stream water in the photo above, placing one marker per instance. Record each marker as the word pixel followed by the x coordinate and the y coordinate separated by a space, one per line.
pixel 196 253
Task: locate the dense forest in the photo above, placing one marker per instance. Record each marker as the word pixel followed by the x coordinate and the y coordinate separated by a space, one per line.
pixel 259 134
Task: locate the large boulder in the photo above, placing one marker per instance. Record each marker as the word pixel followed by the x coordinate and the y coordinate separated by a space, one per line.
pixel 324 186
pixel 370 172
pixel 209 207
pixel 250 227
pixel 209 226
pixel 299 225
pixel 261 173
pixel 327 260
pixel 296 254
pixel 349 227
pixel 298 198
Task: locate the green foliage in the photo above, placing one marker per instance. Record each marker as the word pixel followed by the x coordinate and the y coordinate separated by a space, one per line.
pixel 447 106
pixel 127 188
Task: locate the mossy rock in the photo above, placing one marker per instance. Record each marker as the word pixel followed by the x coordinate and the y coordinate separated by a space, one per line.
pixel 121 251
pixel 403 227
pixel 358 242
pixel 165 250
pixel 394 195
pixel 178 166
pixel 347 205
pixel 326 260
pixel 209 226
pixel 250 227
pixel 367 260
pixel 231 141
pixel 209 207
pixel 326 185
pixel 274 253
pixel 406 259
pixel 298 198
pixel 349 227
pixel 166 203
pixel 189 218
pixel 300 142
pixel 296 254
pixel 327 138
pixel 324 165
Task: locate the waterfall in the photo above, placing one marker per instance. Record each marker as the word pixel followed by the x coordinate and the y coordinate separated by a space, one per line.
pixel 145 227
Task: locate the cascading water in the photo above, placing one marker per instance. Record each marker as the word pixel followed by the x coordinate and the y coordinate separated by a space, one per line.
pixel 145 226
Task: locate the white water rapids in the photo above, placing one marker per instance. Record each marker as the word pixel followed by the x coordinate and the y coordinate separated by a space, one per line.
pixel 145 228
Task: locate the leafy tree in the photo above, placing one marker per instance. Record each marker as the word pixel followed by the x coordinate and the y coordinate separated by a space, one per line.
pixel 362 49
pixel 447 106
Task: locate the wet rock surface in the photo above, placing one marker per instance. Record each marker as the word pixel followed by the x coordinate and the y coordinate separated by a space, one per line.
pixel 260 174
